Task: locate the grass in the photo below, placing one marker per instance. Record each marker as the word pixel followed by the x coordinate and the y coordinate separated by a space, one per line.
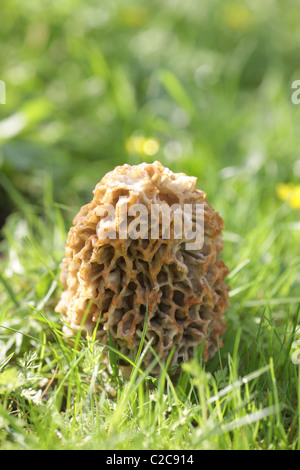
pixel 56 395
pixel 206 89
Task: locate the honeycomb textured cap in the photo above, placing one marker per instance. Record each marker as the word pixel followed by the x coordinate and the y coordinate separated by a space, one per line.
pixel 182 291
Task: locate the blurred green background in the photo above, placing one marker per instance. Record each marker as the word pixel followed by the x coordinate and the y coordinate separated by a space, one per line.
pixel 204 87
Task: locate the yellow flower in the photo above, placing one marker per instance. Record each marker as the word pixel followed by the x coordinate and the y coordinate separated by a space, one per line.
pixel 290 193
pixel 238 17
pixel 134 16
pixel 142 145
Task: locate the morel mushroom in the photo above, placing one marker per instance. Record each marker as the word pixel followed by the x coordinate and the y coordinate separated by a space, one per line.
pixel 129 279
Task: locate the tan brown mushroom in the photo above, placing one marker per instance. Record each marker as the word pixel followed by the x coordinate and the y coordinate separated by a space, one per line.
pixel 120 279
